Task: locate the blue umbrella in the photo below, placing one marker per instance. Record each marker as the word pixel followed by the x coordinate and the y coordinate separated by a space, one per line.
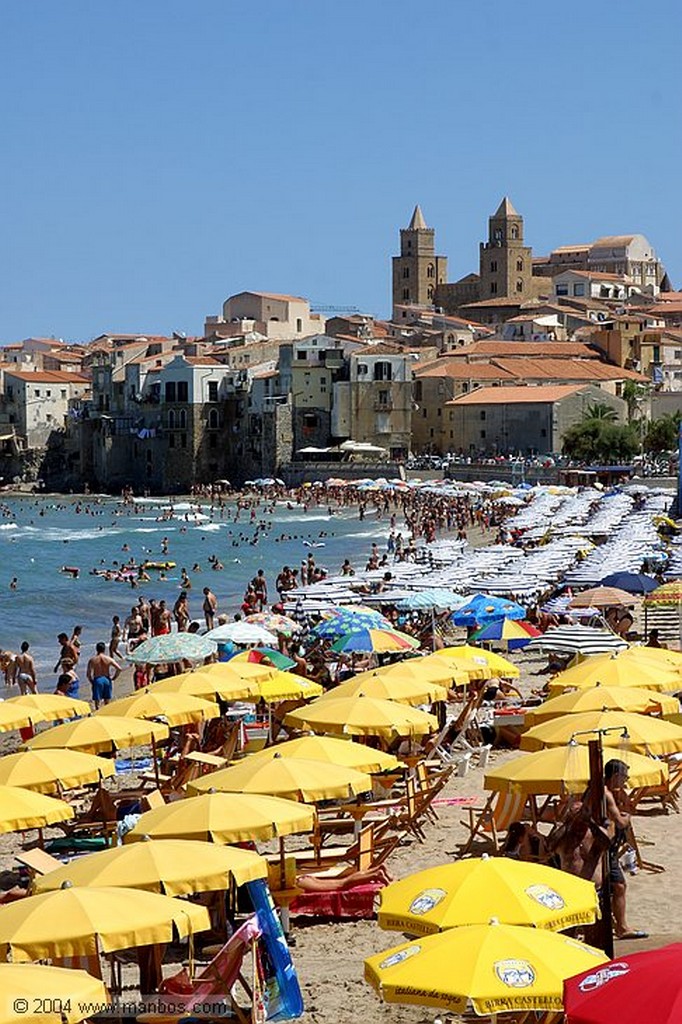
pixel 482 609
pixel 633 582
pixel 349 621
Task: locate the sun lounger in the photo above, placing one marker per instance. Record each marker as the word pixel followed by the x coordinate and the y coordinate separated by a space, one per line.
pixel 492 820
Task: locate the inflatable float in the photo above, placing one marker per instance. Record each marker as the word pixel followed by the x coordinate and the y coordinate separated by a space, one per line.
pixel 158 565
pixel 281 990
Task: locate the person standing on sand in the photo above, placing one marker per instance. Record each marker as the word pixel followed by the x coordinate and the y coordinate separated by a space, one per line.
pixel 100 678
pixel 68 651
pixel 26 671
pixel 181 612
pixel 210 607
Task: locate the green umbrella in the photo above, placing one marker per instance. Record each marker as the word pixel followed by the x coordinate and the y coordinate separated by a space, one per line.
pixel 173 647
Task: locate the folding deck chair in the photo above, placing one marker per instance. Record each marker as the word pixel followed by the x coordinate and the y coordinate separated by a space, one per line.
pixel 488 823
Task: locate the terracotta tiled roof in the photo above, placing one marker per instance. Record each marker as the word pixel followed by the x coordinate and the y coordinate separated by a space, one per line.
pixel 274 295
pixel 201 360
pixel 500 300
pixel 531 349
pixel 565 369
pixel 457 369
pixel 48 377
pixel 517 395
pixel 595 275
pixel 612 241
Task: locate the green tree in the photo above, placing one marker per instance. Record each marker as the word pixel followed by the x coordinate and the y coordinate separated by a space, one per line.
pixel 662 434
pixel 634 393
pixel 601 411
pixel 599 440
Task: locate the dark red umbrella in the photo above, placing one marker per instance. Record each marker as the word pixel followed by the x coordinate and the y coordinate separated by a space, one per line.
pixel 642 988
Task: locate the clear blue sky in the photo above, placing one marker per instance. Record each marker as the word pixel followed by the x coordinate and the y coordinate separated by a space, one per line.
pixel 158 156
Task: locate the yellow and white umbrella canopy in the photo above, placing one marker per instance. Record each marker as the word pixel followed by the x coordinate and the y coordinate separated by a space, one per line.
pixel 288 777
pixel 35 994
pixel 405 688
pixel 83 921
pixel 48 771
pixel 493 664
pixel 363 716
pixel 641 733
pixel 174 867
pixel 560 770
pixel 494 968
pixel 473 890
pixel 224 818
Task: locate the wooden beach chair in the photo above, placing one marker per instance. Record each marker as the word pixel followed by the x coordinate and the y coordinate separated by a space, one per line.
pixel 491 821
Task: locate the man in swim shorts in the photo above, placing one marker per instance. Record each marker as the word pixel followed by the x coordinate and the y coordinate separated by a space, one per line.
pixel 25 674
pixel 100 668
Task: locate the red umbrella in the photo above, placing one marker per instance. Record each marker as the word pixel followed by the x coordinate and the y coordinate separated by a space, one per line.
pixel 632 989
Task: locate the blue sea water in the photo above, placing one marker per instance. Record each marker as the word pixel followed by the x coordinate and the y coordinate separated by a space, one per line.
pixel 40 535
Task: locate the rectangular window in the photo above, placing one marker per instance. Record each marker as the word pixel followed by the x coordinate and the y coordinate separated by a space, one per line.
pixel 183 440
pixel 301 354
pixel 171 391
pixel 183 391
pixel 48 393
pixel 213 391
pixel 171 440
pixel 439 412
pixel 482 434
pixel 482 414
pixel 578 289
pixel 63 392
pixel 299 325
pixel 562 289
pixel 37 392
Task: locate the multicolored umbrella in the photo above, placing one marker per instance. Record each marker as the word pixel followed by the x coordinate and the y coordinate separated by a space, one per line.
pixel 483 608
pixel 349 620
pixel 513 634
pixel 171 648
pixel 669 594
pixel 258 655
pixel 380 641
pixel 281 624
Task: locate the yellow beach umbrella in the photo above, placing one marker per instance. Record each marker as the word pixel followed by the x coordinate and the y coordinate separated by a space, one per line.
pixel 224 818
pixel 242 669
pixel 488 663
pixel 13 716
pixel 292 778
pixel 421 668
pixel 363 716
pixel 473 890
pixel 640 733
pixel 96 734
pixel 607 670
pixel 286 686
pixel 52 706
pixel 333 751
pixel 492 967
pixel 206 686
pixel 560 770
pixel 659 656
pixel 602 698
pixel 174 708
pixel 48 771
pixel 83 921
pixel 175 867
pixel 35 994
pixel 402 689
pixel 21 809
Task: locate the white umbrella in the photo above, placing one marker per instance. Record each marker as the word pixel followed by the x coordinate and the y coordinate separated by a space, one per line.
pixel 242 633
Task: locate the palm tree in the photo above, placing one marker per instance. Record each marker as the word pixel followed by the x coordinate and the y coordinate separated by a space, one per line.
pixel 601 411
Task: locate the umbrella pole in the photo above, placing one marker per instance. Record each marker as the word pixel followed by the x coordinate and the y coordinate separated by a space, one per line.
pixel 598 812
pixel 156 762
pixel 433 629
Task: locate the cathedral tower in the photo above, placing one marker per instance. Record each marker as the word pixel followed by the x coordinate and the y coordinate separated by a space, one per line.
pixel 417 271
pixel 505 262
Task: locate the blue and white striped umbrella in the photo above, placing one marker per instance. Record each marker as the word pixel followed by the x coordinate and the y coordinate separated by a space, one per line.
pixel 431 597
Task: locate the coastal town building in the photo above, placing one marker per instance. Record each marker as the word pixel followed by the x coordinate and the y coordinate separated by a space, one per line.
pixel 529 419
pixel 35 403
pixel 264 315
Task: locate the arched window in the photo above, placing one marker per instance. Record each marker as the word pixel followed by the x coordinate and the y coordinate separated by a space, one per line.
pixel 519 286
pixel 519 266
pixel 406 294
pixel 406 272
pixel 171 419
pixel 514 231
pixel 429 292
pixel 430 270
pixel 182 419
pixel 213 419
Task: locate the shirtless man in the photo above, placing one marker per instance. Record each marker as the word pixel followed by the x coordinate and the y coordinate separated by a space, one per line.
pixel 210 607
pixel 100 675
pixel 26 671
pixel 68 651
